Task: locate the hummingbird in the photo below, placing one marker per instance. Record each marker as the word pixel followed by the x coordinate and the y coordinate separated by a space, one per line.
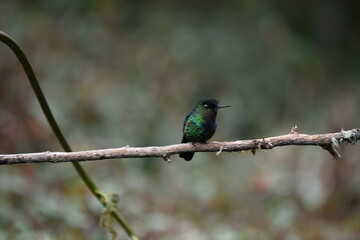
pixel 200 123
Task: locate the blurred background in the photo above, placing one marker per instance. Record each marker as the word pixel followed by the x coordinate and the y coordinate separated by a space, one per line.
pixel 119 73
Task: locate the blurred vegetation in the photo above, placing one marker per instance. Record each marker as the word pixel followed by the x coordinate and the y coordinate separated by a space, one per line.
pixel 121 73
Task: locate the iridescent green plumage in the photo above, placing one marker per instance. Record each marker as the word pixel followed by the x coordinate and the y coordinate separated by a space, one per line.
pixel 200 123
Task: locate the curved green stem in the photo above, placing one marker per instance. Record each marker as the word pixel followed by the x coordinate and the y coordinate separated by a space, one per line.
pixel 54 126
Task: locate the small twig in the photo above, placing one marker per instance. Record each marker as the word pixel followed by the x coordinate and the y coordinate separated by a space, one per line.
pixel 330 148
pixel 220 151
pixel 294 130
pixel 166 158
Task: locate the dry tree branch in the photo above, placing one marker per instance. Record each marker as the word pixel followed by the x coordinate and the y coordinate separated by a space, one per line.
pixel 328 141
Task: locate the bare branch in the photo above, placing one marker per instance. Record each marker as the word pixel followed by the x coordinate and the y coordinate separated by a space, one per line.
pixel 327 141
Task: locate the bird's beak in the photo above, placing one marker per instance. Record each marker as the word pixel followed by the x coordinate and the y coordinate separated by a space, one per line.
pixel 223 106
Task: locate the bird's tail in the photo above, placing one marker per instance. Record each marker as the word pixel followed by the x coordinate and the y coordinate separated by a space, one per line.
pixel 186 155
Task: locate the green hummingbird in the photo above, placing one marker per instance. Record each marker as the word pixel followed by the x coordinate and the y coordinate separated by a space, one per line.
pixel 200 124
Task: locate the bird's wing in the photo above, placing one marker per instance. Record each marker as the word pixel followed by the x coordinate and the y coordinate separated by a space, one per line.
pixel 184 139
pixel 185 121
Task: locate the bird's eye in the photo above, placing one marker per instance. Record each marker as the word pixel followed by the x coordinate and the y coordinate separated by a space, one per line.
pixel 205 105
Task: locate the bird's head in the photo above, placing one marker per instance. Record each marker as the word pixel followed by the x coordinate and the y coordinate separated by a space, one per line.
pixel 208 106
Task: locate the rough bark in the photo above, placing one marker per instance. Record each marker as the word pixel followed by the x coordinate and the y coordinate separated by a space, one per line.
pixel 327 141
